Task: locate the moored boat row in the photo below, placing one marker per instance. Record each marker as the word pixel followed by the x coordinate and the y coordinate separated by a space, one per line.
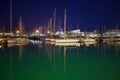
pixel 13 40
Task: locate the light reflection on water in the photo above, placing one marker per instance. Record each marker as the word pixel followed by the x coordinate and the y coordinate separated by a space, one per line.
pixel 43 61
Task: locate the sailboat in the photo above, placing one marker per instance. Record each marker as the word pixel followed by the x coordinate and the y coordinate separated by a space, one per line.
pixel 66 40
pixel 11 40
pixel 21 39
pixel 88 38
pixel 51 39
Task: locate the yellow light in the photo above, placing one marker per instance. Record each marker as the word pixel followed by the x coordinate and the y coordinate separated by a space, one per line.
pixel 17 31
pixel 48 32
pixel 37 31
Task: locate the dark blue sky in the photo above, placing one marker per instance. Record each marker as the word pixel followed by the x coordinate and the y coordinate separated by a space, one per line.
pixel 88 13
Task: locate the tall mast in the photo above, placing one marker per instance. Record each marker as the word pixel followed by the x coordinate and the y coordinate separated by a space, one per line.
pixel 65 22
pixel 10 15
pixel 20 25
pixel 50 26
pixel 54 21
pixel 77 25
pixel 116 27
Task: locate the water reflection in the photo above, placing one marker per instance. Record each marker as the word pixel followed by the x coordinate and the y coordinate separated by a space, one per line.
pixel 16 44
pixel 36 42
pixel 90 43
pixel 87 44
pixel 57 54
pixel 67 44
pixel 97 49
pixel 51 60
pixel 65 63
pixel 11 63
pixel 15 49
pixel 114 46
pixel 21 50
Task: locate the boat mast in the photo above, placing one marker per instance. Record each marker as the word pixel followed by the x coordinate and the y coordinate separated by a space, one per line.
pixel 65 23
pixel 116 27
pixel 54 20
pixel 10 16
pixel 50 26
pixel 20 26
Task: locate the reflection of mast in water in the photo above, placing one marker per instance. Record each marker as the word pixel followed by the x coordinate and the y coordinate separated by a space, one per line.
pixel 104 47
pixel 64 60
pixel 50 54
pixel 47 50
pixel 117 47
pixel 52 57
pixel 10 64
pixel 20 52
pixel 54 68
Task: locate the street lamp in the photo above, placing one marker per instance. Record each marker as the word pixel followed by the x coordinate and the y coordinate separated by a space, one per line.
pixel 48 32
pixel 17 31
pixel 37 31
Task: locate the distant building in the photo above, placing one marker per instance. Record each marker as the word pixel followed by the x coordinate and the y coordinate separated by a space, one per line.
pixel 76 33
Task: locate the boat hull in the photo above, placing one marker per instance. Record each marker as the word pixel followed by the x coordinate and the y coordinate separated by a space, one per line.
pixel 89 40
pixel 66 40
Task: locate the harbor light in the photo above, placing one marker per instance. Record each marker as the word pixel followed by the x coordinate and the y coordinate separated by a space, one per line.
pixel 17 31
pixel 37 31
pixel 48 32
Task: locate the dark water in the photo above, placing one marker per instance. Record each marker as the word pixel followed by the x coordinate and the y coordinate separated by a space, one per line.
pixel 49 62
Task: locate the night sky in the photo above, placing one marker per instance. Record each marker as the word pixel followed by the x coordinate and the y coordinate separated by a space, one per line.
pixel 87 13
